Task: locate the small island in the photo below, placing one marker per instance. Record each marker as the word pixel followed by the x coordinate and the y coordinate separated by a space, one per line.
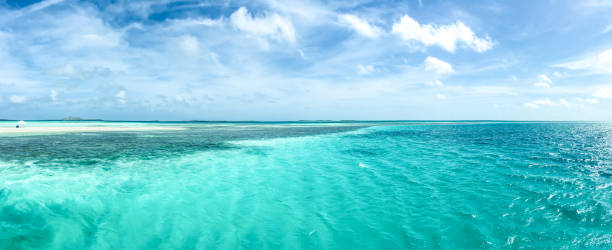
pixel 72 118
pixel 76 118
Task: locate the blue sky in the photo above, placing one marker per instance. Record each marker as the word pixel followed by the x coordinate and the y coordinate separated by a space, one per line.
pixel 289 60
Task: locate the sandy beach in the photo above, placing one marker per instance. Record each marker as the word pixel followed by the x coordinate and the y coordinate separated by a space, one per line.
pixel 13 130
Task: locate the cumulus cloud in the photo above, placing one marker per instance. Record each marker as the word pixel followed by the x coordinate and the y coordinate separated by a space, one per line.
pixel 545 78
pixel 361 26
pixel 94 41
pixel 447 37
pixel 574 103
pixel 592 100
pixel 565 103
pixel 86 58
pixel 53 95
pixel 540 102
pixel 603 92
pixel 120 96
pixel 543 82
pixel 435 83
pixel 438 66
pixel 559 74
pixel 599 63
pixel 365 70
pixel 79 31
pixel 273 26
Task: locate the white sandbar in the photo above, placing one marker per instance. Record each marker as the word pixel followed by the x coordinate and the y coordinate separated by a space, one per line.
pixel 13 130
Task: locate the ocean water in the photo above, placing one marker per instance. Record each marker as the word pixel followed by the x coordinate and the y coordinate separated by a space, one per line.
pixel 367 185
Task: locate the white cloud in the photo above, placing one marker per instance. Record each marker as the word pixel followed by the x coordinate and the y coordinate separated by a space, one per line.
pixel 576 103
pixel 68 70
pixel 538 103
pixel 79 30
pixel 87 69
pixel 559 74
pixel 34 8
pixel 121 96
pixel 361 26
pixel 542 84
pixel 545 78
pixel 273 26
pixel 601 63
pixel 565 103
pixel 562 102
pixel 189 44
pixel 42 5
pixel 215 58
pixel 544 81
pixel 96 41
pixel 365 70
pixel 53 95
pixel 592 100
pixel 607 29
pixel 447 37
pixel 196 22
pixel 148 60
pixel 17 99
pixel 435 83
pixel 492 90
pixel 603 92
pixel 438 66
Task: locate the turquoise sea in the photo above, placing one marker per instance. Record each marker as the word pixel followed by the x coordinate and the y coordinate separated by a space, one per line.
pixel 309 185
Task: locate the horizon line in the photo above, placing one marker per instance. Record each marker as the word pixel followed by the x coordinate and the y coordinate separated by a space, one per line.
pixel 307 120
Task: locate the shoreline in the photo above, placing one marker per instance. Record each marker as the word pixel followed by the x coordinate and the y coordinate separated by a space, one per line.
pixel 13 130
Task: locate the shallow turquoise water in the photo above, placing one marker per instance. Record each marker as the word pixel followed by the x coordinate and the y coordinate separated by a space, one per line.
pixel 311 186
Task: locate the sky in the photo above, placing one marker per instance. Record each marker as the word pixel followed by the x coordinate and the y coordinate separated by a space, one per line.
pixel 306 60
